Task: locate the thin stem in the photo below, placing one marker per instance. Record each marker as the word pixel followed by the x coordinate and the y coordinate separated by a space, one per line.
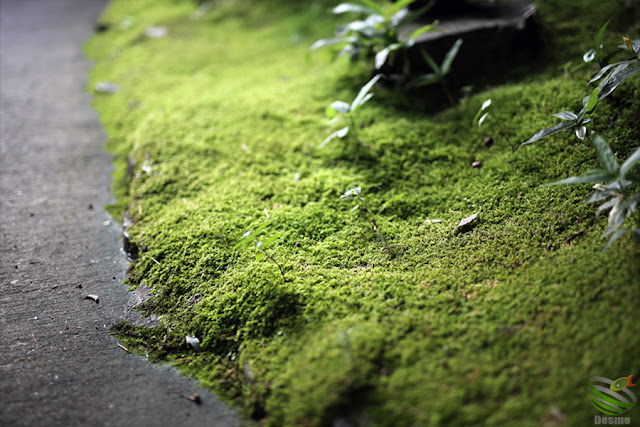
pixel 447 92
pixel 276 263
pixel 503 134
pixel 374 223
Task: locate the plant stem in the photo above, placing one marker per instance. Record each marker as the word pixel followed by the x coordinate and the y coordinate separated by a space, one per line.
pixel 447 92
pixel 503 134
pixel 276 263
pixel 374 223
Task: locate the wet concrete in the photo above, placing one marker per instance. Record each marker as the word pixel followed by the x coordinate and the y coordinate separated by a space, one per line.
pixel 58 363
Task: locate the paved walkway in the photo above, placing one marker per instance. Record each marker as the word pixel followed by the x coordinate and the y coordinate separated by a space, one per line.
pixel 58 364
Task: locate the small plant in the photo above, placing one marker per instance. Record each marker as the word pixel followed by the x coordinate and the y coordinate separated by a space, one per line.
pixel 571 120
pixel 261 246
pixel 612 76
pixel 614 194
pixel 482 115
pixel 355 193
pixel 375 36
pixel 595 54
pixel 440 72
pixel 618 72
pixel 344 110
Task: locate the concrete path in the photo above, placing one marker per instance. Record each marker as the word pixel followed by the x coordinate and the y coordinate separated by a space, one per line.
pixel 58 364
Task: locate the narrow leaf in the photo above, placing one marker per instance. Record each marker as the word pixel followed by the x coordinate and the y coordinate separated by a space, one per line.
pixel 399 5
pixel 244 242
pixel 337 134
pixel 365 99
pixel 566 115
pixel 340 106
pixel 397 18
pixel 450 56
pixel 605 154
pixel 614 237
pixel 350 7
pixel 381 57
pixel 600 36
pixel 482 119
pixel 593 100
pixel 374 6
pixel 419 31
pixel 425 80
pixel 604 70
pixel 628 164
pixel 271 239
pixel 417 14
pixel 608 205
pixel 594 176
pixel 364 90
pixel 549 131
pixel 327 42
pixel 429 60
pixel 619 75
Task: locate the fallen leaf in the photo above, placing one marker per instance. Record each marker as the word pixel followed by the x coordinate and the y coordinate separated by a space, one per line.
pixel 195 398
pixel 93 297
pixel 467 223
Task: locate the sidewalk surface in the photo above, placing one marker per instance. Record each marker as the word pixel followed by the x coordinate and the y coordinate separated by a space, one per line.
pixel 58 363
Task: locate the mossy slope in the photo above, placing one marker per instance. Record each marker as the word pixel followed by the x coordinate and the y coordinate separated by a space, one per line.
pixel 410 325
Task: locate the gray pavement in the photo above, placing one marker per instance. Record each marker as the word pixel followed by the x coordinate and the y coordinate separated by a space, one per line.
pixel 58 363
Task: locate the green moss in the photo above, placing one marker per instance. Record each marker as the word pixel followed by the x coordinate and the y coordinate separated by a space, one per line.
pixel 411 324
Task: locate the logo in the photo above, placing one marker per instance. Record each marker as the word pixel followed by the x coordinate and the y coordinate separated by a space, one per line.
pixel 613 398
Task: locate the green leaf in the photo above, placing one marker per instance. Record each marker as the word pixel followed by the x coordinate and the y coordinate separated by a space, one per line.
pixel 599 38
pixel 381 57
pixel 374 7
pixel 327 42
pixel 549 131
pixel 628 164
pixel 605 155
pixel 604 70
pixel 259 256
pixel 341 133
pixel 450 56
pixel 417 14
pixel 425 80
pixel 364 90
pixel 419 31
pixel 483 118
pixel 566 115
pixel 350 7
pixel 340 106
pixel 617 76
pixel 614 237
pixel 429 60
pixel 270 240
pixel 261 227
pixel 593 100
pixel 248 238
pixel 593 177
pixel 581 132
pixel 399 5
pixel 485 105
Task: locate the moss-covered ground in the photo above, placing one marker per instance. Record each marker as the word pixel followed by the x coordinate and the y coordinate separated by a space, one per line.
pixel 411 324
